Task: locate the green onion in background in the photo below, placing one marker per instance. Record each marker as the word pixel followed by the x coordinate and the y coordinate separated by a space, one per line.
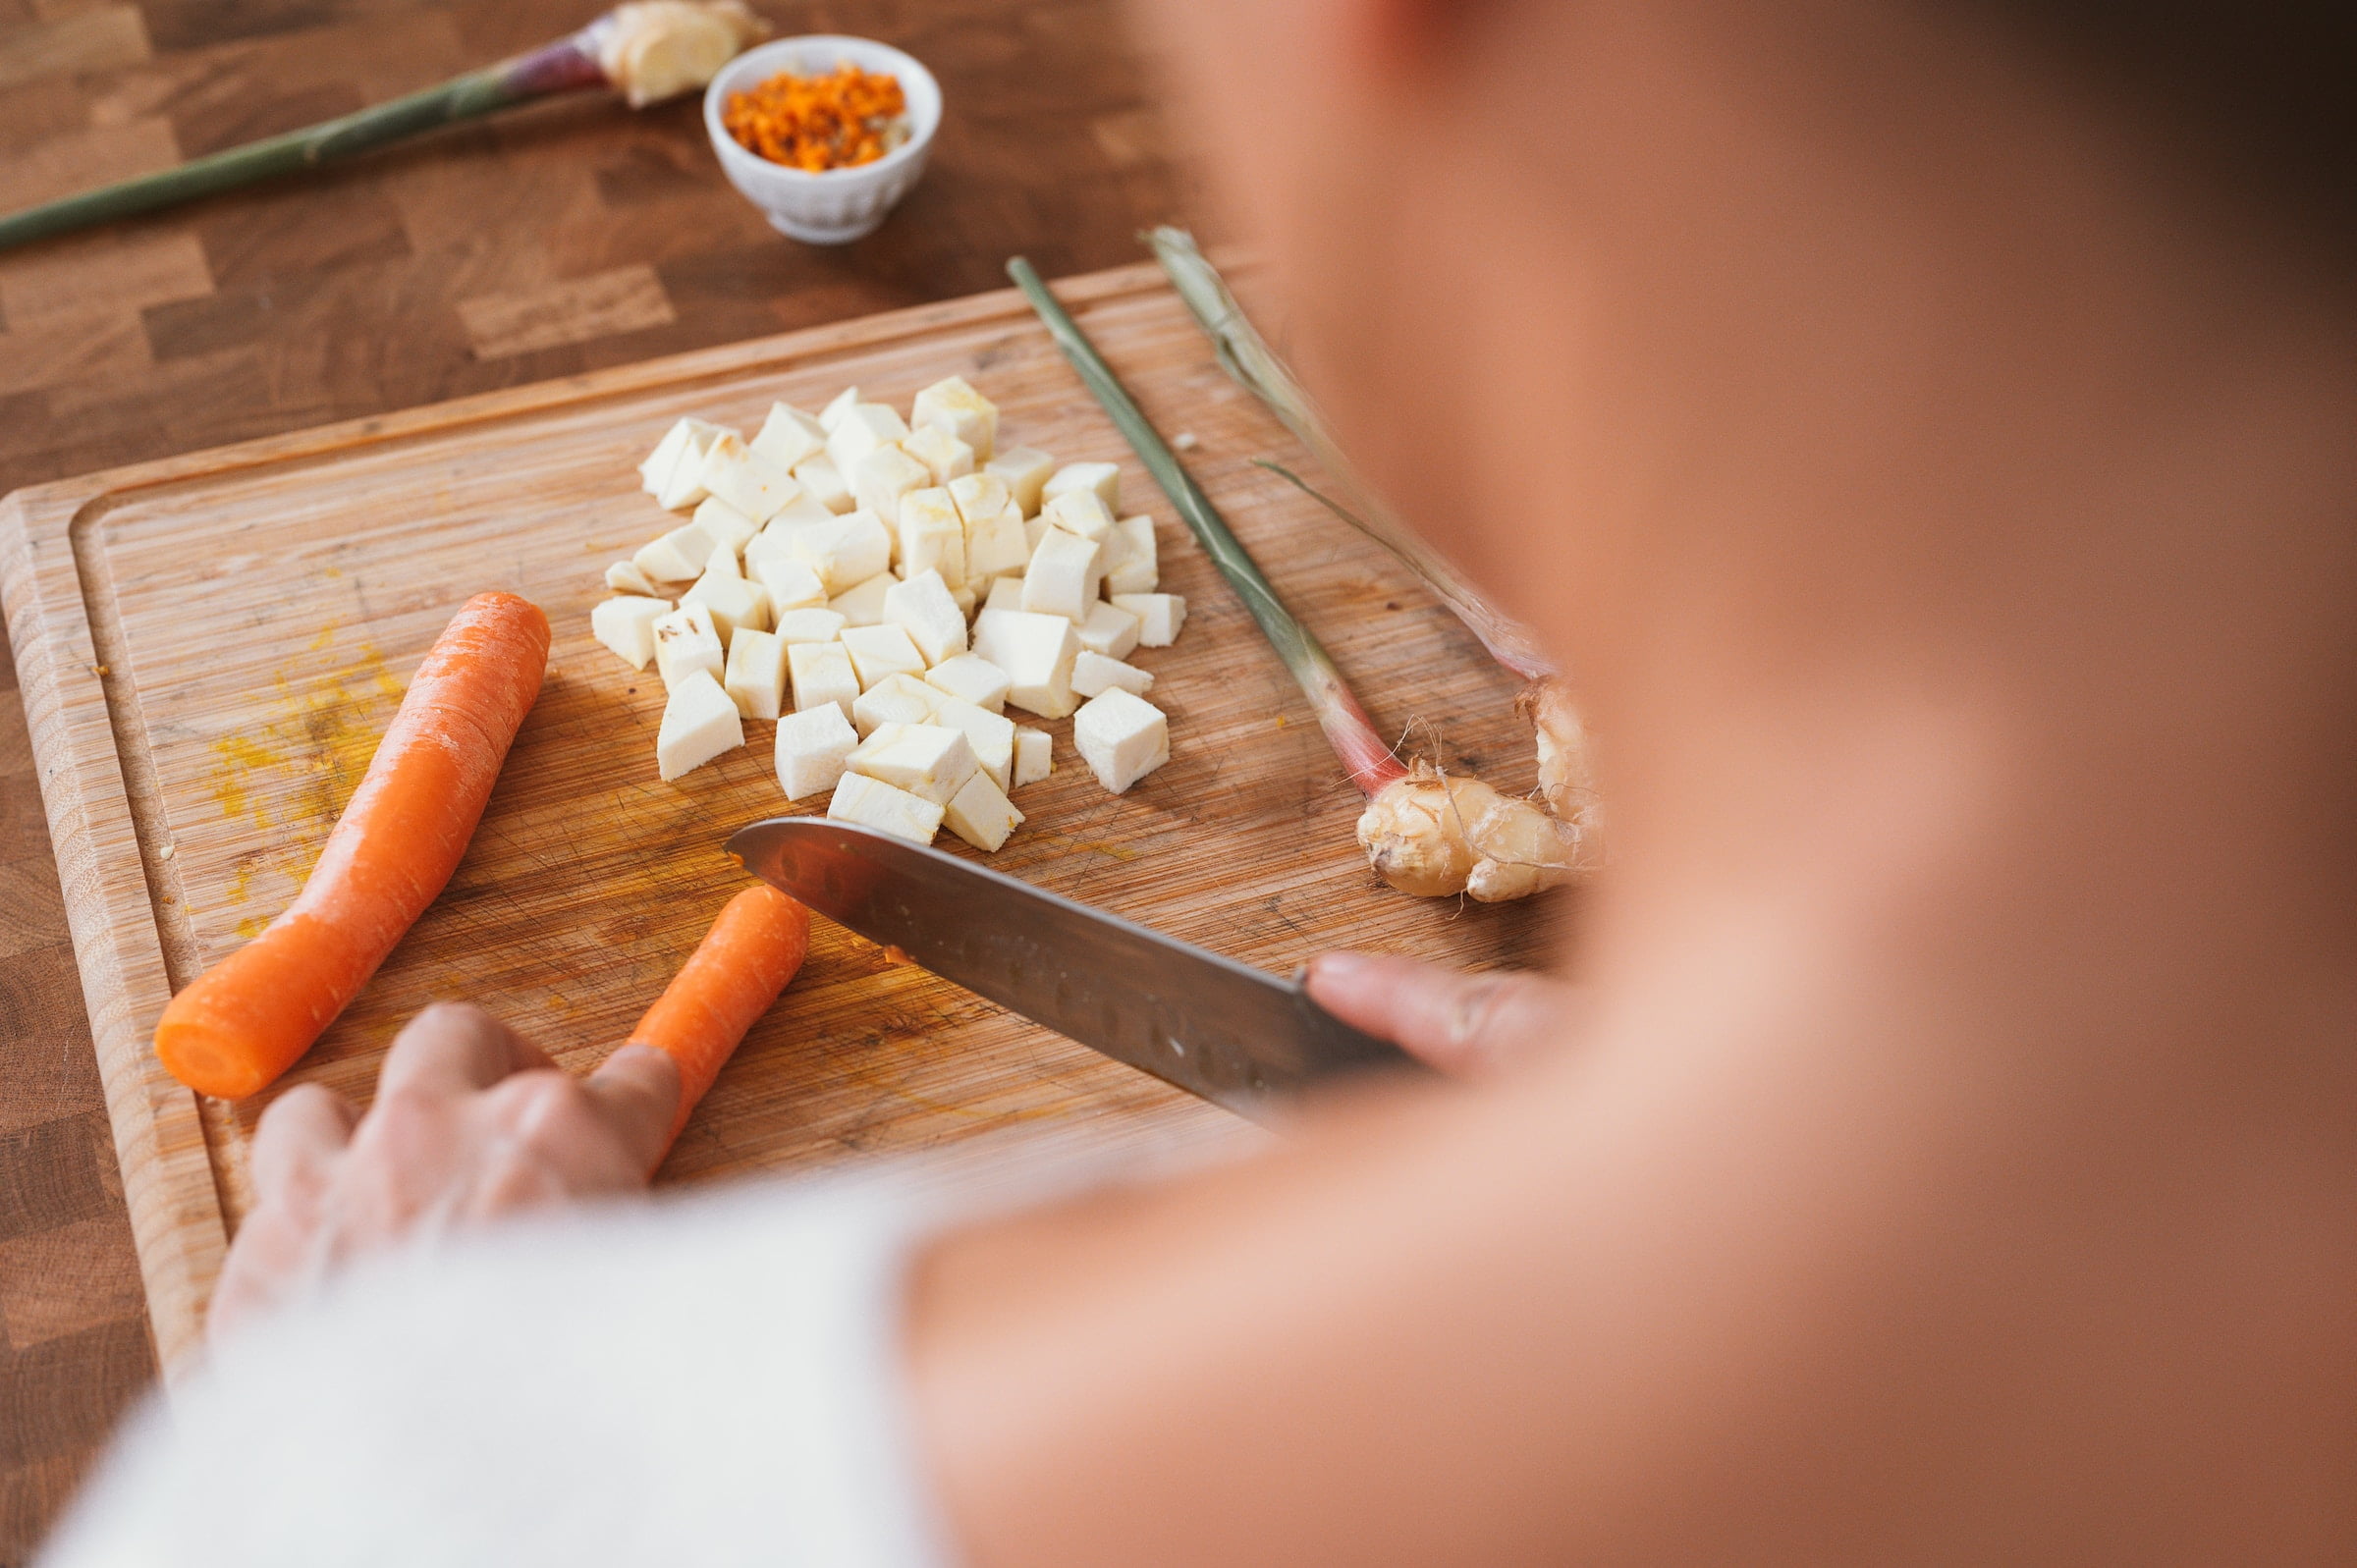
pixel 1348 728
pixel 1245 355
pixel 647 52
pixel 1424 831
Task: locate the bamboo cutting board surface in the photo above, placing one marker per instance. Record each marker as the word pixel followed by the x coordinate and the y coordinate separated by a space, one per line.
pixel 209 646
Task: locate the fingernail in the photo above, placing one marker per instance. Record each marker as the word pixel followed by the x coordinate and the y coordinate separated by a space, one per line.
pixel 1338 968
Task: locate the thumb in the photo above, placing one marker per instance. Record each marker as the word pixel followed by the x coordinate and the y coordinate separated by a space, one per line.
pixel 1465 1025
pixel 637 1092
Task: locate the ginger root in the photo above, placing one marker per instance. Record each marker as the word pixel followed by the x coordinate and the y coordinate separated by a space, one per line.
pixel 1434 835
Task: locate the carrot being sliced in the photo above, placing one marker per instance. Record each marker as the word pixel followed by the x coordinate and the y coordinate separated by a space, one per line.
pixel 728 983
pixel 246 1020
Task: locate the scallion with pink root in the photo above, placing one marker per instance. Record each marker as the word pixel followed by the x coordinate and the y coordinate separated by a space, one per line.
pixel 1425 832
pixel 647 52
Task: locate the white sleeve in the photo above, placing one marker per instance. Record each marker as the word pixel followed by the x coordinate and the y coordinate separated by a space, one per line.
pixel 709 1382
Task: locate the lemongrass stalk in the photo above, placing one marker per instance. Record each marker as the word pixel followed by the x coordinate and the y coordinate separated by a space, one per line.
pixel 1352 735
pixel 1247 357
pixel 648 50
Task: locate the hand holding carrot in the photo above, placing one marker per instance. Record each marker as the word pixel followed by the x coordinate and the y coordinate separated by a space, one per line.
pixel 471 1122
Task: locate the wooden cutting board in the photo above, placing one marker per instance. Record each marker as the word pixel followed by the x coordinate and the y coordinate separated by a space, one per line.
pixel 209 646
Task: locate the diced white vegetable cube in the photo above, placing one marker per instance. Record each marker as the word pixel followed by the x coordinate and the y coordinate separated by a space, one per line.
pixel 1037 653
pixel 628 626
pixel 1094 674
pixel 979 495
pixel 1079 512
pixel 843 551
pixel 822 674
pixel 683 485
pixel 1025 471
pixel 995 540
pixel 981 814
pixel 884 477
pixel 932 536
pixel 811 749
pixel 723 563
pixel 752 486
pixel 864 427
pixel 1159 615
pixel 757 679
pixel 922 608
pixel 930 761
pixel 806 507
pixel 1138 569
pixel 808 626
pixel 991 734
pixel 1105 478
pixel 735 603
pixel 655 472
pixel 873 803
pixel 1108 630
pixel 1122 737
pixel 624 576
pixel 863 606
pixel 1063 577
pixel 841 404
pixel 725 523
pixel 951 407
pixel 685 641
pixel 1006 593
pixel 944 455
pixel 1035 755
pixel 824 483
pixel 700 723
pixel 787 436
pixel 963 598
pixel 1034 530
pixel 880 651
pixel 894 700
pixel 972 678
pixel 789 581
pixel 677 556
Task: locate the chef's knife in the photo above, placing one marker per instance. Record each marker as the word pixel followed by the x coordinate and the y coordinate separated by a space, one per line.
pixel 1210 1025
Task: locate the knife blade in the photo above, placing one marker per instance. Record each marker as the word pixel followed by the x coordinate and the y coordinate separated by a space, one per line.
pixel 1214 1027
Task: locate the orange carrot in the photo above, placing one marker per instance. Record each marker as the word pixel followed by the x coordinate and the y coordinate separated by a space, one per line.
pixel 735 973
pixel 247 1018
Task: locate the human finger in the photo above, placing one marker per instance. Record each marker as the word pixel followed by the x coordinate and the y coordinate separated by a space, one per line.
pixel 454 1047
pixel 637 1090
pixel 1460 1024
pixel 298 1139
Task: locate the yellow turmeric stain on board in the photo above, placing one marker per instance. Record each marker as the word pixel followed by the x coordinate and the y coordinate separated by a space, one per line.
pixel 290 776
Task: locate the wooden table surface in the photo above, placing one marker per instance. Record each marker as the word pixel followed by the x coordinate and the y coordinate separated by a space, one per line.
pixel 564 236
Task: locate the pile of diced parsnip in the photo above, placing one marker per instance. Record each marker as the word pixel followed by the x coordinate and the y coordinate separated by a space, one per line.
pixel 884 588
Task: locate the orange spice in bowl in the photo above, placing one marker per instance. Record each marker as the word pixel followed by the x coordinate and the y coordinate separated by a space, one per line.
pixel 841 120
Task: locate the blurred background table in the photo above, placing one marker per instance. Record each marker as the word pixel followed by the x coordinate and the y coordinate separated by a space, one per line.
pixel 562 238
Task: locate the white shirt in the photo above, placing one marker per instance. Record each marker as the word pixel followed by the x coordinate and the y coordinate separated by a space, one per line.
pixel 708 1381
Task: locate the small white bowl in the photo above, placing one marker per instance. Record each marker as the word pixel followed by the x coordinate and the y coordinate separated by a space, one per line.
pixel 838 205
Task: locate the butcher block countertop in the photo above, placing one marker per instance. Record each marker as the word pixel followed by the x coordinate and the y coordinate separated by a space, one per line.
pixel 567 238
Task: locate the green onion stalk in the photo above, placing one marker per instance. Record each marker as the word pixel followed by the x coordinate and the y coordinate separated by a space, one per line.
pixel 1425 832
pixel 1352 735
pixel 1247 355
pixel 648 50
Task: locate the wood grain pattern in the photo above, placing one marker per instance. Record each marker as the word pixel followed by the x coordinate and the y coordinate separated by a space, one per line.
pixel 363 287
pixel 209 647
pixel 283 308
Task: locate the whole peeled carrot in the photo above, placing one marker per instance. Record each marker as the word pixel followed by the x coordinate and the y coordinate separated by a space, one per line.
pixel 735 973
pixel 247 1018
